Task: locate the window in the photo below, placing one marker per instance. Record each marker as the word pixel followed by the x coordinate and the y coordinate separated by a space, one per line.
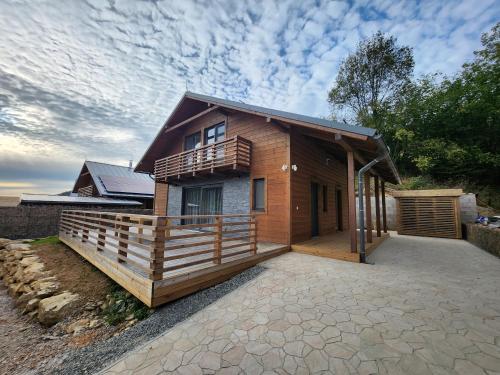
pixel 202 200
pixel 215 133
pixel 192 141
pixel 259 194
pixel 325 198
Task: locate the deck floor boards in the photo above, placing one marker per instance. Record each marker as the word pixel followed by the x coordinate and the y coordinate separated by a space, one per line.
pixel 336 246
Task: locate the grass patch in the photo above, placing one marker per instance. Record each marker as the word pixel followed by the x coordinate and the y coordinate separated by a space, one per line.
pixel 121 305
pixel 52 240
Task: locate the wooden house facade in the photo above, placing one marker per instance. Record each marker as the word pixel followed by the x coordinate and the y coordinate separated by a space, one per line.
pixel 295 173
pixel 234 184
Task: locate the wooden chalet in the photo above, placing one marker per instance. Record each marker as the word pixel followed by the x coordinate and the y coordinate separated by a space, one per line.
pixel 236 184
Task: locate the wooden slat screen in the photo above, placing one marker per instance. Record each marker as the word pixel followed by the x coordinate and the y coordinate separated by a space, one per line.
pixel 429 216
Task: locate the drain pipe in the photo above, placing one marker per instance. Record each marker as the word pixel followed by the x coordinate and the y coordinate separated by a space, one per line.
pixel 361 212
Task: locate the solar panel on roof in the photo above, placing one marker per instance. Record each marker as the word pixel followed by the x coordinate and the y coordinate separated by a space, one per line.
pixel 122 184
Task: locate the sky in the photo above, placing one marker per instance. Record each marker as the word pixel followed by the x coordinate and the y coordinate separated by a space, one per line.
pixel 95 80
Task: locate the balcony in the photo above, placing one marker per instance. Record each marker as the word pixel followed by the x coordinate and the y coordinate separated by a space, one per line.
pixel 229 155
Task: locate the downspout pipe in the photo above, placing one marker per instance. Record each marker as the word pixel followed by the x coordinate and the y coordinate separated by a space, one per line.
pixel 361 211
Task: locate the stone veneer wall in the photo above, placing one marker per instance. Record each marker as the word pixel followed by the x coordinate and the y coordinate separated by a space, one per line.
pixel 235 195
pixel 486 238
pixel 38 221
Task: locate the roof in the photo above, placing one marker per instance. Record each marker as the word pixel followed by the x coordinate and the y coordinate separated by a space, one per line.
pixel 289 115
pixel 61 199
pixel 118 181
pixel 193 104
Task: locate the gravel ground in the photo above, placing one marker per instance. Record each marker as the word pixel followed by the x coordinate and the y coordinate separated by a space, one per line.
pixel 96 356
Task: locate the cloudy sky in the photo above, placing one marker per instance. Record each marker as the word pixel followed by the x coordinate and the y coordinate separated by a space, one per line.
pixel 95 79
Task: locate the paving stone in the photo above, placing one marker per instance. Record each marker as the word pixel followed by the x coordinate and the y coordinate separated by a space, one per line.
pixel 316 361
pixel 407 314
pixel 234 355
pixel 463 367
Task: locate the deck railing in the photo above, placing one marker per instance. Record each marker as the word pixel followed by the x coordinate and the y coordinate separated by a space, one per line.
pixel 159 246
pixel 231 153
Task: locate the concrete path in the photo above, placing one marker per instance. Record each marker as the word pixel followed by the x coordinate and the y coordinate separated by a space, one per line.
pixel 427 306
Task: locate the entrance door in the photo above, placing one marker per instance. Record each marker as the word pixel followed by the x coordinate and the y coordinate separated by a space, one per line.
pixel 338 205
pixel 314 210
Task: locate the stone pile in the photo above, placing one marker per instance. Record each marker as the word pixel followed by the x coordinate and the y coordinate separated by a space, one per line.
pixel 36 291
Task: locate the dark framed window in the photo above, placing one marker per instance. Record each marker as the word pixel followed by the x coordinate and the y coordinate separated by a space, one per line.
pixel 192 141
pixel 325 198
pixel 201 200
pixel 259 194
pixel 215 133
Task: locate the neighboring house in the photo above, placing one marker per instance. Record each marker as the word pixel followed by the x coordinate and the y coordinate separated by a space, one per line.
pixel 295 173
pixel 49 200
pixel 114 182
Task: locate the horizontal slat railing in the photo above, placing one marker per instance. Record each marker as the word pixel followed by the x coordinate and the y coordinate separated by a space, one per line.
pixel 155 246
pixel 234 152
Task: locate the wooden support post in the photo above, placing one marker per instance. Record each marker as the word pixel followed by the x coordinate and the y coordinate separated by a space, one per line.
pixel 85 229
pixel 384 213
pixel 122 245
pixel 253 219
pixel 218 241
pixel 368 209
pixel 140 231
pixel 351 201
pixel 377 206
pixel 158 250
pixel 101 237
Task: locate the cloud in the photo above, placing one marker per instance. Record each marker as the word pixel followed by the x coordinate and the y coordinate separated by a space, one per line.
pixel 96 79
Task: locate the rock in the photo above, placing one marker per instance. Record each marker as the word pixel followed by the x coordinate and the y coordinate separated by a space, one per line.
pixel 18 246
pixel 4 242
pixel 14 289
pixel 77 326
pixel 90 306
pixel 45 289
pixel 31 305
pixel 55 308
pixel 35 268
pixel 129 317
pixel 25 298
pixel 29 260
pixel 96 323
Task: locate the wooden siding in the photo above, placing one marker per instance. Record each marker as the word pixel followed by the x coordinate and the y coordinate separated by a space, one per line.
pixel 161 199
pixel 437 216
pixel 270 145
pixel 312 167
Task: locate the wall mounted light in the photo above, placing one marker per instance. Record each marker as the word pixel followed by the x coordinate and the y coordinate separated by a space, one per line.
pixel 284 167
pixel 294 168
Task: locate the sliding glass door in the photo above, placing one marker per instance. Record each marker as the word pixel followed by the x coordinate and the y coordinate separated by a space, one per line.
pixel 202 200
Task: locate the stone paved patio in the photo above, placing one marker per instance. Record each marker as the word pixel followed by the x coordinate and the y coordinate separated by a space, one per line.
pixel 427 306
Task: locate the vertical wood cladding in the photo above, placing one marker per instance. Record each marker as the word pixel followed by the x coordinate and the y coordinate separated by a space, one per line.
pixel 160 200
pixel 270 145
pixel 312 166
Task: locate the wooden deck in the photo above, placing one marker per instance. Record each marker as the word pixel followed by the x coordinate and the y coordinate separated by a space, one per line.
pixel 159 259
pixel 337 246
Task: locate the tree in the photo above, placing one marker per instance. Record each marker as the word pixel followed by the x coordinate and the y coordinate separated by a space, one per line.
pixel 449 127
pixel 370 79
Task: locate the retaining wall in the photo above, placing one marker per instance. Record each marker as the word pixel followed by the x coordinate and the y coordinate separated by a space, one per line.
pixel 484 237
pixel 43 220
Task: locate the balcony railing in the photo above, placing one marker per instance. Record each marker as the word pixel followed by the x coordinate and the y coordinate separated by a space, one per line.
pixel 234 154
pixel 154 246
